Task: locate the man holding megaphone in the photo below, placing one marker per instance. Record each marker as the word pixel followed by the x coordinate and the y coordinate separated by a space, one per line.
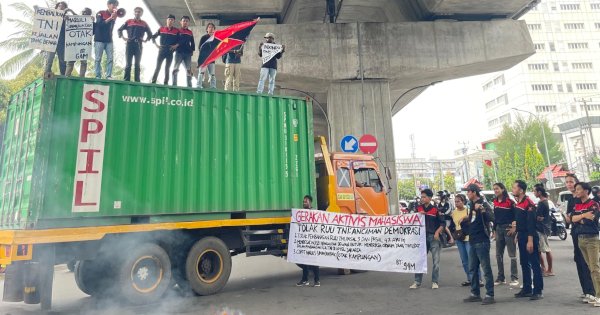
pixel 103 43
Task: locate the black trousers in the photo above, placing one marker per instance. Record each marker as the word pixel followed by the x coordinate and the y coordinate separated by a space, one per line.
pixel 583 271
pixel 164 54
pixel 306 269
pixel 133 49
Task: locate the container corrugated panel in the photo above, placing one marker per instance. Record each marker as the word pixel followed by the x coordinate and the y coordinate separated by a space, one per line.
pixel 109 152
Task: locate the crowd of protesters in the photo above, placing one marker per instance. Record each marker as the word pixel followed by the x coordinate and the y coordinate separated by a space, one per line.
pixel 516 223
pixel 173 42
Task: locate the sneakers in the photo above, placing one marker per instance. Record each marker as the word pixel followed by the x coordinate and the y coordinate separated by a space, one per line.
pixel 522 294
pixel 488 300
pixel 587 298
pixel 593 300
pixel 499 282
pixel 435 286
pixel 537 296
pixel 317 284
pixel 415 285
pixel 514 283
pixel 302 283
pixel 472 298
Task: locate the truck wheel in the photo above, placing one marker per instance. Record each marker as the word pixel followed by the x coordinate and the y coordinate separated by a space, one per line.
pixel 208 266
pixel 145 274
pixel 91 276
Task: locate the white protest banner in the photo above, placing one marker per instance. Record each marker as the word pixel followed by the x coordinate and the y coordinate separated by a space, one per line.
pixel 46 29
pixel 381 243
pixel 79 32
pixel 269 51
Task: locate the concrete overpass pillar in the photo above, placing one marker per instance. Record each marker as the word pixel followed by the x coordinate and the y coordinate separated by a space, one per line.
pixel 365 108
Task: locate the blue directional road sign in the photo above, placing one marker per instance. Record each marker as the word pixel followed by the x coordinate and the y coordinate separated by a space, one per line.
pixel 349 144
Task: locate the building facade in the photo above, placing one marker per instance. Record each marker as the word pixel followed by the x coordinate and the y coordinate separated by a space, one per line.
pixel 560 83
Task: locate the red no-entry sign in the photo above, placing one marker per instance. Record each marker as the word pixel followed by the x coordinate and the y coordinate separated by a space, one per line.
pixel 368 144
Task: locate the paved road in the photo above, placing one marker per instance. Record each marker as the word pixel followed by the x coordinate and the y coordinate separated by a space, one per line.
pixel 266 285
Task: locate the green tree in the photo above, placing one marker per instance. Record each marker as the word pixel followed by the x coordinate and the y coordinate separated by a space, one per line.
pixel 406 189
pixel 18 42
pixel 515 137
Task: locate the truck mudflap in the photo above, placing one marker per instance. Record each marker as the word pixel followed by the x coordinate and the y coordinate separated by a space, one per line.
pixel 271 241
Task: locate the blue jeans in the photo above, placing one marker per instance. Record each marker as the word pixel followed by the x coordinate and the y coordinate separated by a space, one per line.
pixel 99 49
pixel 479 255
pixel 212 80
pixel 435 247
pixel 264 73
pixel 530 262
pixel 463 251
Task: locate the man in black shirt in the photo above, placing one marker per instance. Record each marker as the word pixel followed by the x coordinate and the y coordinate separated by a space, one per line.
pixel 169 41
pixel 307 204
pixel 268 69
pixel 105 22
pixel 434 225
pixel 480 216
pixel 136 28
pixel 184 51
pixel 528 241
pixel 542 227
pixel 583 272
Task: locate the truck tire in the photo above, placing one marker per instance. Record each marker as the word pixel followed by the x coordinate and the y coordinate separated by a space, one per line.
pixel 144 275
pixel 91 276
pixel 208 266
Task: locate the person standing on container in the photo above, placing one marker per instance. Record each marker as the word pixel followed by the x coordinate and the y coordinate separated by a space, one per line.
pixel 233 70
pixel 269 68
pixel 434 225
pixel 169 41
pixel 60 47
pixel 103 43
pixel 307 204
pixel 212 79
pixel 184 51
pixel 136 29
pixel 82 63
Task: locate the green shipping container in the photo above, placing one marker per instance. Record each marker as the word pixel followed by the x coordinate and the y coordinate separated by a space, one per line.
pixel 82 152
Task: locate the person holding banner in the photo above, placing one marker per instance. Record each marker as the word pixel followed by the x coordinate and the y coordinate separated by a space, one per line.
pixel 169 41
pixel 105 23
pixel 480 216
pixel 307 204
pixel 136 29
pixel 269 51
pixel 212 79
pixel 184 51
pixel 83 62
pixel 60 47
pixel 434 225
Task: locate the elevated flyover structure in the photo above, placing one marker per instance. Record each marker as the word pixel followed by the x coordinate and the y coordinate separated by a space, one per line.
pixel 365 60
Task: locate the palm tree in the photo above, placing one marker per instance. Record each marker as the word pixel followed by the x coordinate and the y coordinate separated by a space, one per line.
pixel 18 42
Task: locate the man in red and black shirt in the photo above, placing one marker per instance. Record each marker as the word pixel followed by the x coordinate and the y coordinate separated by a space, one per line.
pixel 136 28
pixel 434 225
pixel 184 51
pixel 103 43
pixel 528 240
pixel 169 41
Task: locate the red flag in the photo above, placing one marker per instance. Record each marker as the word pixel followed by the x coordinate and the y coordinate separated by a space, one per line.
pixel 223 41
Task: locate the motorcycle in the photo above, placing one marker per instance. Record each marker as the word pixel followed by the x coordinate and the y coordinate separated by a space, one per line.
pixel 558 227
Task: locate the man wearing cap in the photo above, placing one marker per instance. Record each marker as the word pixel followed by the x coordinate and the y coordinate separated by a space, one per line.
pixel 268 69
pixel 103 43
pixel 184 51
pixel 136 28
pixel 169 41
pixel 233 71
pixel 479 218
pixel 212 80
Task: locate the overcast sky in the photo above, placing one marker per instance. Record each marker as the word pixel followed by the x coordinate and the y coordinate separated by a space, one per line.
pixel 441 118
